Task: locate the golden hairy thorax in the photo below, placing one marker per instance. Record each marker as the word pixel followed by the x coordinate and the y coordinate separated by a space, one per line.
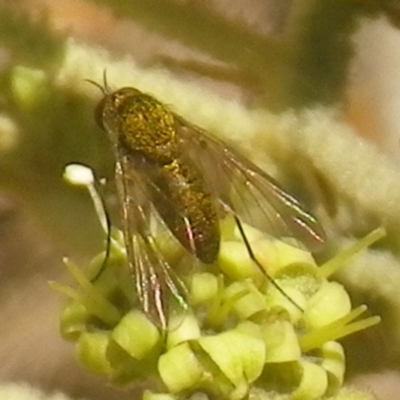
pixel 143 125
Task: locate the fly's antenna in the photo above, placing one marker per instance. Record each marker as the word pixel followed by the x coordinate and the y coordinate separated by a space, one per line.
pixel 105 82
pixel 105 89
pixel 259 265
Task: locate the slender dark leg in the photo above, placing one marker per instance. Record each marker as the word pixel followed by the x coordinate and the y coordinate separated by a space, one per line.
pixel 259 265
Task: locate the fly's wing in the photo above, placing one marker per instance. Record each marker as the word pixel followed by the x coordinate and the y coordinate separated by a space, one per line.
pixel 247 191
pixel 160 291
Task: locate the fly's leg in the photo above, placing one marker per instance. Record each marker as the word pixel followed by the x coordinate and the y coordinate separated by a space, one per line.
pixel 258 263
pixel 101 208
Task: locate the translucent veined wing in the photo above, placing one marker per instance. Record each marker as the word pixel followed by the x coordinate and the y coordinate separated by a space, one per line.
pixel 246 190
pixel 160 291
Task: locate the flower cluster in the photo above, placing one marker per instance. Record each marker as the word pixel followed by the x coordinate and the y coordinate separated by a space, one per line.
pixel 242 335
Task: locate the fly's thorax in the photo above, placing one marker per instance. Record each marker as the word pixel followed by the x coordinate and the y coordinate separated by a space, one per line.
pixel 141 124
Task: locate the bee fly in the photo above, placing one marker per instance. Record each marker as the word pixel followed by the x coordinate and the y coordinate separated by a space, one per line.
pixel 172 172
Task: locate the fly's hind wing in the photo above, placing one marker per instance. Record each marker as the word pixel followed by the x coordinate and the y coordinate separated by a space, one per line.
pixel 160 291
pixel 246 190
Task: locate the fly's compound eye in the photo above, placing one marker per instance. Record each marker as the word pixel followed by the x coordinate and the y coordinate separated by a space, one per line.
pixel 99 112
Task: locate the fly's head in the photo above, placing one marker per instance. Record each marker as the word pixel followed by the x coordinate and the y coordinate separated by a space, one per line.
pixel 112 110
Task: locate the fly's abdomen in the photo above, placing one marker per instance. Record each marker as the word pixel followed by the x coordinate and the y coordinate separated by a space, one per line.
pixel 186 206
